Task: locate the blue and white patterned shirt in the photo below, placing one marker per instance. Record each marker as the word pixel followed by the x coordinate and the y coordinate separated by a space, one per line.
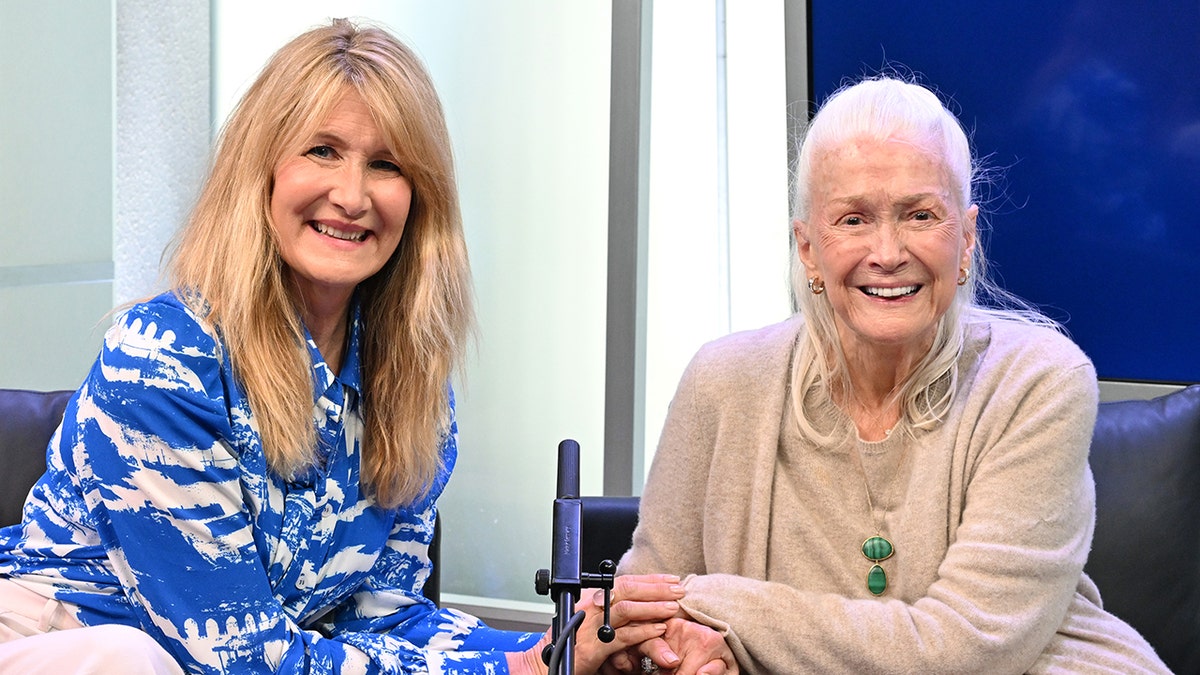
pixel 158 511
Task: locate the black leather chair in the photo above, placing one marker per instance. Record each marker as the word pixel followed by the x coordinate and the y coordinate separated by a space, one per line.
pixel 28 420
pixel 1146 552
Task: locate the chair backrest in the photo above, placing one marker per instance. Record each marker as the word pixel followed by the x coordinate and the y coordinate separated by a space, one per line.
pixel 1146 552
pixel 606 527
pixel 433 585
pixel 27 421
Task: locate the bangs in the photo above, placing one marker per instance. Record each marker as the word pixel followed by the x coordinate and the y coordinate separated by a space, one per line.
pixel 301 120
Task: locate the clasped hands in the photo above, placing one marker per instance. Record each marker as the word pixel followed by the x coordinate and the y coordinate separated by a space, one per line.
pixel 649 622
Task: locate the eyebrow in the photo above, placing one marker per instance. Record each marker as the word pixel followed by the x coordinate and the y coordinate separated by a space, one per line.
pixel 913 200
pixel 326 137
pixel 907 200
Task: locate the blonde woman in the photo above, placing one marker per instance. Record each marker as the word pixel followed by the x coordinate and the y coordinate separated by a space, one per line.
pixel 246 481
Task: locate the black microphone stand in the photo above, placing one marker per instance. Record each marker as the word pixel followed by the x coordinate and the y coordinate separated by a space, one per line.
pixel 564 581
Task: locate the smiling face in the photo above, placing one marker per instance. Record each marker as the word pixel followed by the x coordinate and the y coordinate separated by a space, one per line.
pixel 887 237
pixel 338 206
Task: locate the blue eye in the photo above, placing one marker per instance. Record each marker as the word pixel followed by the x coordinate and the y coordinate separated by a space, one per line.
pixel 321 151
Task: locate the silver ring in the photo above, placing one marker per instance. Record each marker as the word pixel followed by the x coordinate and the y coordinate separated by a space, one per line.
pixel 648 665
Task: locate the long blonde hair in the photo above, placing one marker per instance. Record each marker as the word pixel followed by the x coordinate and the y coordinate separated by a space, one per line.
pixel 416 311
pixel 883 108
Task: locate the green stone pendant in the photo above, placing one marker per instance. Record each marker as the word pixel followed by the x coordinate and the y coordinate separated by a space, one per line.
pixel 877 549
pixel 876 580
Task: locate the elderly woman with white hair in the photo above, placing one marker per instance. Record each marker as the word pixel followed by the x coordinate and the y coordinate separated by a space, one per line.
pixel 896 478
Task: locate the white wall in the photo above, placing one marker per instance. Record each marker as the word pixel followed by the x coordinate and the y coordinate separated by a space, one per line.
pixel 56 188
pixel 718 185
pixel 163 133
pixel 103 138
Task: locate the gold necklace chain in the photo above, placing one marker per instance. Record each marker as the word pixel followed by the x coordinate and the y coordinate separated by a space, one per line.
pixel 876 418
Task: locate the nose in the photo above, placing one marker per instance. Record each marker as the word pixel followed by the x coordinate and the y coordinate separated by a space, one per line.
pixel 890 251
pixel 349 191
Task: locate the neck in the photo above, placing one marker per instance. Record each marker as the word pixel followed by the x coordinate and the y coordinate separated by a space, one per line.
pixel 326 320
pixel 872 395
pixel 330 337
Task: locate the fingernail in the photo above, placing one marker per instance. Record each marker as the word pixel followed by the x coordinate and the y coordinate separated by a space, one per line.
pixel 671 605
pixel 677 589
pixel 670 656
pixel 670 578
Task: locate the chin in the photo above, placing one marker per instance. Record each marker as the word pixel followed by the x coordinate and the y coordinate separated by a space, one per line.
pixel 878 334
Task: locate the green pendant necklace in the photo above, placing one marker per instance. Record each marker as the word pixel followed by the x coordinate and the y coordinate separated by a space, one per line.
pixel 876 548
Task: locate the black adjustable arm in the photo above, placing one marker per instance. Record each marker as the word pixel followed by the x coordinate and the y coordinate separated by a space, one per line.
pixel 564 581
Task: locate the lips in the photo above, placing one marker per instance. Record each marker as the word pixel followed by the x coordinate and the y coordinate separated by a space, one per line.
pixel 889 293
pixel 344 235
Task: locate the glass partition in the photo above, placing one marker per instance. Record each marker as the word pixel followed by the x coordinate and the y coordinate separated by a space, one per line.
pixel 56 182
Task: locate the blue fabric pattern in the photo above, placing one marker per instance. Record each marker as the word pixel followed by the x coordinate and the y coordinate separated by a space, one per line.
pixel 157 511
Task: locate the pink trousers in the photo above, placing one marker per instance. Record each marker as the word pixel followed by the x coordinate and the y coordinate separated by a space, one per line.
pixel 40 636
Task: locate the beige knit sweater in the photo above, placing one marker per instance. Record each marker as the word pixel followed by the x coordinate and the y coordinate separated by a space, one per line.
pixel 991 514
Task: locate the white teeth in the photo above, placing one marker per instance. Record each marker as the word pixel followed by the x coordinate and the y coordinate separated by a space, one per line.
pixel 890 292
pixel 338 234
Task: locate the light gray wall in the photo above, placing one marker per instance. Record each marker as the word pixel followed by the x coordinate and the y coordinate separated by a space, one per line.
pixel 163 132
pixel 56 188
pixel 103 137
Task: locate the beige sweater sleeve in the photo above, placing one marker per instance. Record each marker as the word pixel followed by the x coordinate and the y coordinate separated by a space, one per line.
pixel 1017 501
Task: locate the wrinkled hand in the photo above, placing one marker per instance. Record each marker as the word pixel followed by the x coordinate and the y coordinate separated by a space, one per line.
pixel 641 605
pixel 686 648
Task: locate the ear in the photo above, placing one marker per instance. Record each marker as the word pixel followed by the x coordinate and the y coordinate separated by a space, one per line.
pixel 969 225
pixel 803 245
